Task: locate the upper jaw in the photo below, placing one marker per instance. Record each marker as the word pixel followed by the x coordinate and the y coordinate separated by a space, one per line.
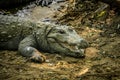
pixel 71 47
pixel 82 45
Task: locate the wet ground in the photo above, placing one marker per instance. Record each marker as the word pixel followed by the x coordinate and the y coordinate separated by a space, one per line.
pixel 102 61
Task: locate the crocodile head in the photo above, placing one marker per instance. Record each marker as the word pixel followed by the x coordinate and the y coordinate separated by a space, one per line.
pixel 64 39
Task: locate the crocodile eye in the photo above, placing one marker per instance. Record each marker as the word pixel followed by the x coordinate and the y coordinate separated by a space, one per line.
pixel 61 31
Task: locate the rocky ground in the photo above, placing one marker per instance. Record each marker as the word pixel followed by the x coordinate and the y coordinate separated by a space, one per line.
pixel 102 61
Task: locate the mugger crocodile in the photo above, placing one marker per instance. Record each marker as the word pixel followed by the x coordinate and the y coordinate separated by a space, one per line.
pixel 30 37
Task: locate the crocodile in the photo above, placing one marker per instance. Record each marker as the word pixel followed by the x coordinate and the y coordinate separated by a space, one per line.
pixel 30 38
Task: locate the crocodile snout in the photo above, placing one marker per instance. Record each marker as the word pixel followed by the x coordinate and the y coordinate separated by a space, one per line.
pixel 83 44
pixel 80 54
pixel 80 44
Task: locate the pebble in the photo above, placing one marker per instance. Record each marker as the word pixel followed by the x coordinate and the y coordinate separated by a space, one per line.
pixel 108 69
pixel 47 61
pixel 51 64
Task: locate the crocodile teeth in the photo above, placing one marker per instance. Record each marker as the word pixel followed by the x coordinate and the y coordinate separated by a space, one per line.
pixel 71 47
pixel 82 50
pixel 76 47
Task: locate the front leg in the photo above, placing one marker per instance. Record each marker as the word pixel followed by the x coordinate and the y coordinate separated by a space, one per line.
pixel 27 48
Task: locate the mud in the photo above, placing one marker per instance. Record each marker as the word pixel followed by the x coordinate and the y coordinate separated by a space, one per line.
pixel 102 61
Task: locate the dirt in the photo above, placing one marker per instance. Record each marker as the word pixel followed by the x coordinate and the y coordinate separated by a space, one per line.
pixel 102 61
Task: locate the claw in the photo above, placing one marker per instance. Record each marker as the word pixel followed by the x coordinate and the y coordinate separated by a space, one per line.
pixel 37 57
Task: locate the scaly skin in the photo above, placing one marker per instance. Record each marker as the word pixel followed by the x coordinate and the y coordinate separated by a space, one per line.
pixel 30 37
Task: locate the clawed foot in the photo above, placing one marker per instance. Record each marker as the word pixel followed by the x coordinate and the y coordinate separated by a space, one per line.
pixel 37 57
